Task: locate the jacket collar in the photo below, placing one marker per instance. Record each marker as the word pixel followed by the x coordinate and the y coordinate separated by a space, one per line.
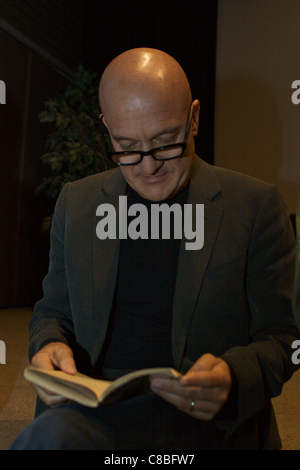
pixel 203 181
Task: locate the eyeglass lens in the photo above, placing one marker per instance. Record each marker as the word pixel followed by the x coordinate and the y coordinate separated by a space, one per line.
pixel 160 154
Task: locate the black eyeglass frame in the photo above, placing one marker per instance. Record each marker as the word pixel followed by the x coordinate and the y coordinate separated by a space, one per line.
pixel 151 152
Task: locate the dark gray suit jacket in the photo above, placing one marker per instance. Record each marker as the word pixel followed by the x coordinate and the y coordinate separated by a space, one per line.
pixel 232 298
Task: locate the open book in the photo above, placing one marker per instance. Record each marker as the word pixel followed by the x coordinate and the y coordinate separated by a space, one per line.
pixel 94 392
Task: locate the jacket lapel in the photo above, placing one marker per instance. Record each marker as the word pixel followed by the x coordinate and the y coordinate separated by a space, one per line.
pixel 192 265
pixel 105 262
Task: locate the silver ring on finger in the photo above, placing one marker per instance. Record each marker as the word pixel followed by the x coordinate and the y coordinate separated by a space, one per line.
pixel 193 403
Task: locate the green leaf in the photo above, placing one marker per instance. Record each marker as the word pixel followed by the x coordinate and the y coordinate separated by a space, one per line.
pixel 75 149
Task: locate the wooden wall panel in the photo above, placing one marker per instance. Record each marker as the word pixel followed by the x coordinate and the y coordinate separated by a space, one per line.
pixel 13 71
pixel 23 248
pixel 56 26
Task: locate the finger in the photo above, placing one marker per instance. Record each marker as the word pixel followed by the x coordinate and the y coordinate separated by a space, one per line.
pixel 202 379
pixel 217 373
pixel 42 361
pixel 55 356
pixel 167 385
pixel 203 415
pixel 204 410
pixel 65 360
pixel 206 363
pixel 189 394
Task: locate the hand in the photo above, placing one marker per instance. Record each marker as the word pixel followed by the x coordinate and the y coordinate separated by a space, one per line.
pixel 207 384
pixel 52 357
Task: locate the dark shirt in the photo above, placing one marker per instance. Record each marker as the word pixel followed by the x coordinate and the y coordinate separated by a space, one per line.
pixel 140 330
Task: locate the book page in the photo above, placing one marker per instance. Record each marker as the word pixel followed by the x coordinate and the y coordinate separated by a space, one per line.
pixel 135 383
pixel 92 392
pixel 78 387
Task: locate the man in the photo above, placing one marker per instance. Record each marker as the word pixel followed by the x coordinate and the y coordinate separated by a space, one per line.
pixel 220 315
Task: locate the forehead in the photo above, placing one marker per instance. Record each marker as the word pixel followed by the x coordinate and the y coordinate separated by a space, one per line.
pixel 144 117
pixel 142 98
pixel 147 128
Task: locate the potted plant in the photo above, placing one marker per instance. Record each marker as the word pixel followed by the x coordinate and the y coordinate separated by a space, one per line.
pixel 76 148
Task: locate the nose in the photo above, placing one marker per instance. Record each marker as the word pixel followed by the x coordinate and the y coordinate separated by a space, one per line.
pixel 149 165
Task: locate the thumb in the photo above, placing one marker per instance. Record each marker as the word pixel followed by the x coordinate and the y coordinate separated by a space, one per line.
pixel 205 364
pixel 65 360
pixel 55 356
pixel 62 357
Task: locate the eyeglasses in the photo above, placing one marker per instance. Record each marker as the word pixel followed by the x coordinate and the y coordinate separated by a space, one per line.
pixel 166 152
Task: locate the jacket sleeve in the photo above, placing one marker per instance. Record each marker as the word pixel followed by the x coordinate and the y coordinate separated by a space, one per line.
pixel 52 318
pixel 261 368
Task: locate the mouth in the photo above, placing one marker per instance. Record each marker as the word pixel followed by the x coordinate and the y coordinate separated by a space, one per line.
pixel 153 178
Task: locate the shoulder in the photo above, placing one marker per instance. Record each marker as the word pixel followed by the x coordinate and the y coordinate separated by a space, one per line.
pixel 231 181
pixel 261 200
pixel 228 188
pixel 248 204
pixel 92 187
pixel 248 190
pixel 95 182
pixel 77 199
pixel 258 206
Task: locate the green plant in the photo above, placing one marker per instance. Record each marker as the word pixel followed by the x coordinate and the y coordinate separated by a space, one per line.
pixel 76 148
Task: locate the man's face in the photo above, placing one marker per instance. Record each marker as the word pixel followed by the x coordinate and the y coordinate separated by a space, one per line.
pixel 140 130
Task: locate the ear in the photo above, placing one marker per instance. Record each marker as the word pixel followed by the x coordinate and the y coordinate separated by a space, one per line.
pixel 195 118
pixel 102 117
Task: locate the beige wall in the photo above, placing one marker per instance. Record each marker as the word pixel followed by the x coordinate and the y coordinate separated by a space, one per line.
pixel 257 127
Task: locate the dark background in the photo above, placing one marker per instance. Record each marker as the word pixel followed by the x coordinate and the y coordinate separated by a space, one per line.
pixel 41 45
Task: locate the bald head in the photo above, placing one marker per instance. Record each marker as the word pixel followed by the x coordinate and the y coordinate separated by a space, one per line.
pixel 141 79
pixel 145 98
